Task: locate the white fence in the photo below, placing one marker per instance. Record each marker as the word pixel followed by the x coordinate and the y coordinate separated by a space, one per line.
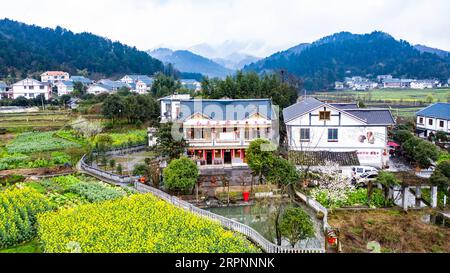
pixel 249 232
pixel 229 224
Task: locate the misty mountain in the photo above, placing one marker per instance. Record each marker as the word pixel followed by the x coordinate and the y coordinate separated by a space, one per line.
pixel 29 50
pixel 439 52
pixel 233 55
pixel 236 61
pixel 344 54
pixel 186 61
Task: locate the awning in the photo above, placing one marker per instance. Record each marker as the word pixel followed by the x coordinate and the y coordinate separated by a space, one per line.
pixel 393 144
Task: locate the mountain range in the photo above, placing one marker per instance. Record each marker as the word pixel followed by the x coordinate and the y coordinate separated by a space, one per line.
pixel 27 50
pixel 186 61
pixel 334 57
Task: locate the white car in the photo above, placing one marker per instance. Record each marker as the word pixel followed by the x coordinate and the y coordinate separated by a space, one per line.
pixel 365 178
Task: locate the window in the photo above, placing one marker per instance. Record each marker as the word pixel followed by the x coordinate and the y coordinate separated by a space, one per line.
pixel 441 124
pixel 325 115
pixel 247 133
pixel 332 135
pixel 421 120
pixel 305 135
pixel 430 122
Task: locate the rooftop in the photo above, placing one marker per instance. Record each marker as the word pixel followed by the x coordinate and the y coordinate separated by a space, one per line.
pixel 369 116
pixel 439 110
pixel 320 158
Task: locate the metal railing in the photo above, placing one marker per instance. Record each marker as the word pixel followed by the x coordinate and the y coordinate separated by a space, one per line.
pixel 229 224
pixel 317 207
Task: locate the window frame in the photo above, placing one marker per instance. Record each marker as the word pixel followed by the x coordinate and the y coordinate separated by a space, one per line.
pixel 324 115
pixel 331 130
pixel 303 130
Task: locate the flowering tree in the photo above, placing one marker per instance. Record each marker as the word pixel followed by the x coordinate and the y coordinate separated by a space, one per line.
pixel 86 128
pixel 333 187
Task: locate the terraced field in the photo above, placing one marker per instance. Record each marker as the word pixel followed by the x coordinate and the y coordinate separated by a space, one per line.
pixel 34 121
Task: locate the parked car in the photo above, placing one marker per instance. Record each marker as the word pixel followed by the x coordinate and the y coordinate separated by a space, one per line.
pixel 365 178
pixel 357 171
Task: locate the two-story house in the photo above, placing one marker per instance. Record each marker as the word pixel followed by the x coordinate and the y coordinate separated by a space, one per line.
pixel 53 77
pixel 65 88
pixel 30 89
pixel 141 84
pixel 219 131
pixel 336 131
pixel 192 85
pixel 433 119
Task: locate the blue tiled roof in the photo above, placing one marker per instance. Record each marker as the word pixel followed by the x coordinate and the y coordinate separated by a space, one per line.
pixel 3 85
pixel 67 83
pixel 81 79
pixel 301 108
pixel 373 116
pixel 439 110
pixel 226 109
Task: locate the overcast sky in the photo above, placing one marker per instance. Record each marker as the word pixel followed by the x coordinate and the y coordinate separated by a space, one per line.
pixel 261 27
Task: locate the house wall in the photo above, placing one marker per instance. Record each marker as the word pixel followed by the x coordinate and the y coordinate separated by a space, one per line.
pixel 96 90
pixel 353 135
pixel 22 89
pixel 424 123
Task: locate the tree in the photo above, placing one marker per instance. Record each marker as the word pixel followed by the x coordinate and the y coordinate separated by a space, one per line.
pixel 260 156
pixel 441 176
pixel 103 142
pixel 401 136
pixel 113 107
pixel 430 98
pixel 142 170
pixel 167 145
pixel 64 100
pixel 181 175
pixel 296 225
pixel 283 174
pixel 119 169
pixel 164 85
pixel 387 180
pixel 425 153
pixel 112 164
pixel 442 136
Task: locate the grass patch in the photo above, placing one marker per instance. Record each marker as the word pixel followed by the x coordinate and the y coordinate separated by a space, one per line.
pixel 396 231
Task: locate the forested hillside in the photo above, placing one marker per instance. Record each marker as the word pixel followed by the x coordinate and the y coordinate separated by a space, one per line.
pixel 27 50
pixel 344 54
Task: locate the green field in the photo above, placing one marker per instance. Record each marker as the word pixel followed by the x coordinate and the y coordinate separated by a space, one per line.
pixel 409 96
pixel 34 121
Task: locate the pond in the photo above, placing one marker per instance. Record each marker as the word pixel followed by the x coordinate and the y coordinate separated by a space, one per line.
pixel 258 217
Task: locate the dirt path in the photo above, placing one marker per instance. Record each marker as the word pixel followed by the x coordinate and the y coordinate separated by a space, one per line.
pixel 37 172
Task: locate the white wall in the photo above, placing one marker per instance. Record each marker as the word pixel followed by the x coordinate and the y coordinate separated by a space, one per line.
pixel 22 89
pixel 353 135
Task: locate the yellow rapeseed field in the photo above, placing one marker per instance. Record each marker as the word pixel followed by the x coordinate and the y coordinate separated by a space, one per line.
pixel 135 224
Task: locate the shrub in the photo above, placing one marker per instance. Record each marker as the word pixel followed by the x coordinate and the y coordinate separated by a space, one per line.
pixel 94 192
pixel 136 224
pixel 18 210
pixel 296 225
pixel 181 175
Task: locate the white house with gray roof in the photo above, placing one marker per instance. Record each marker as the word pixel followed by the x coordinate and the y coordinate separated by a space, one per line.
pixel 339 131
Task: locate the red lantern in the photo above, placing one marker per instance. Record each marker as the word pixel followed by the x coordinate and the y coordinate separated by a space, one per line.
pixel 332 241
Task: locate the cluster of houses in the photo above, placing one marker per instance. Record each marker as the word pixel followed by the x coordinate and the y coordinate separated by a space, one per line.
pixel 218 132
pixel 358 83
pixel 60 83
